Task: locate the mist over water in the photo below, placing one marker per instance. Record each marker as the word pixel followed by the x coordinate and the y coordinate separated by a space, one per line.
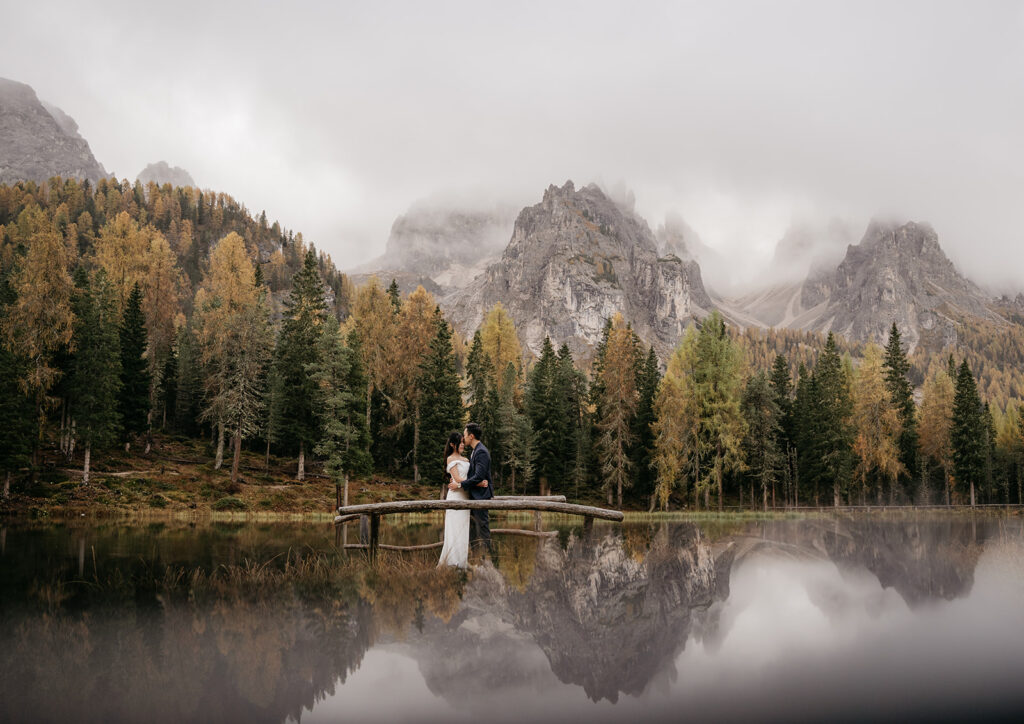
pixel 850 619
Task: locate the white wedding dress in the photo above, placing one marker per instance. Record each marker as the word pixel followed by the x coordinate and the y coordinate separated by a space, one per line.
pixel 455 551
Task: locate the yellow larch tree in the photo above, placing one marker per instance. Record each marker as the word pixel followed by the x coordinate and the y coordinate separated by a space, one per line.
pixel 40 322
pixel 936 422
pixel 374 321
pixel 501 345
pixel 876 423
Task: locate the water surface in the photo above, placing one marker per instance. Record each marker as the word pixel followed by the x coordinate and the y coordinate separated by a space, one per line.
pixel 838 618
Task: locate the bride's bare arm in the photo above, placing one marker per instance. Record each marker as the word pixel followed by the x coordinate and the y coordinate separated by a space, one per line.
pixel 454 472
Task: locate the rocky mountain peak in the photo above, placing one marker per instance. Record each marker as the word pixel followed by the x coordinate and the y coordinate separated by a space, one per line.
pixel 575 259
pixel 38 141
pixel 897 273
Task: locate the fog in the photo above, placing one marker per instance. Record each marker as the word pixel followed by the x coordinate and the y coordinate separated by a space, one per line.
pixel 741 117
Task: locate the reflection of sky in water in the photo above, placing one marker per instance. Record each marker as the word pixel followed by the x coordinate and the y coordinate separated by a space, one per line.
pixel 787 620
pixel 795 640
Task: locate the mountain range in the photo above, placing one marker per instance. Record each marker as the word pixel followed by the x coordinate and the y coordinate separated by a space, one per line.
pixel 564 265
pixel 578 256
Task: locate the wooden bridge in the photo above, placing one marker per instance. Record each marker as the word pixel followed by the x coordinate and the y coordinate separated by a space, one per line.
pixel 536 503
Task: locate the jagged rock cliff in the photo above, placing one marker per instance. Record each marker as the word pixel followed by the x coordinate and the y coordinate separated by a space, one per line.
pixel 576 259
pixel 38 141
pixel 895 274
pixel 161 173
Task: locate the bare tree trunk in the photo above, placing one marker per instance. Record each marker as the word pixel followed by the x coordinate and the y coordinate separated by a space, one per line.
pixel 945 474
pixel 416 443
pixel 7 485
pixel 63 426
pixel 835 492
pixel 619 492
pixel 236 444
pixel 301 475
pixel 344 498
pixel 74 439
pixel 369 398
pixel 85 467
pixel 796 482
pixel 266 463
pixel 765 488
pixel 972 492
pixel 219 459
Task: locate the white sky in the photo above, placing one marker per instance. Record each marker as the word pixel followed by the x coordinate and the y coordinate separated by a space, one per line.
pixel 336 117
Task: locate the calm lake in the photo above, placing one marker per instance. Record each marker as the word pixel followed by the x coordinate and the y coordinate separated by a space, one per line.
pixel 805 619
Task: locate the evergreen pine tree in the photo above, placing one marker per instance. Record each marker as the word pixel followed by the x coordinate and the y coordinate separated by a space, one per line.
pixel 647 379
pixel 967 434
pixel 339 404
pixel 902 394
pixel 96 368
pixel 441 403
pixel 782 386
pixel 168 389
pixel 135 377
pixel 189 386
pixel 395 296
pixel 835 405
pixel 545 408
pixel 571 388
pixel 297 348
pixel 761 438
pixel 805 431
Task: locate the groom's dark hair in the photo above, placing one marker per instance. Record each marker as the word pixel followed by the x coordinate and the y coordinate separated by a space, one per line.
pixel 473 429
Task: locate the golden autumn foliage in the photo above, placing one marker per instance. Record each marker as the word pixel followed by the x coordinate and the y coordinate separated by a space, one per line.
pixel 876 422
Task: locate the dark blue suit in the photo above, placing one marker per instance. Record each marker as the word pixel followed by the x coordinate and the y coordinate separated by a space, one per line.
pixel 479 470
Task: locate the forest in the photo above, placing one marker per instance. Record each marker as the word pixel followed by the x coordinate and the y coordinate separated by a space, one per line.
pixel 128 312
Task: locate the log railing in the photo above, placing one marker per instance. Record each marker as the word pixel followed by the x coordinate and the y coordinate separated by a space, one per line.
pixel 537 504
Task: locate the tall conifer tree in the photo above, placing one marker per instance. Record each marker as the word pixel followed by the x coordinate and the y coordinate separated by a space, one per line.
pixel 902 394
pixel 441 403
pixel 297 348
pixel 761 437
pixel 135 376
pixel 96 366
pixel 967 435
pixel 339 404
pixel 647 379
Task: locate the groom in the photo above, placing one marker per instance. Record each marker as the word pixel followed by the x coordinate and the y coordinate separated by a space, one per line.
pixel 476 484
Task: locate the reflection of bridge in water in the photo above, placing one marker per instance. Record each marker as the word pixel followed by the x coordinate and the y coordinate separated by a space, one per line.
pixel 370 514
pixel 608 611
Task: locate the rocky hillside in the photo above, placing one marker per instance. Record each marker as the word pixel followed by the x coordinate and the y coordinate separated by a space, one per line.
pixel 444 244
pixel 574 260
pixel 38 141
pixel 897 273
pixel 161 173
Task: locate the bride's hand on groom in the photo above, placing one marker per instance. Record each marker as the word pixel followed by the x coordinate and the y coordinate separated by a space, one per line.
pixel 482 484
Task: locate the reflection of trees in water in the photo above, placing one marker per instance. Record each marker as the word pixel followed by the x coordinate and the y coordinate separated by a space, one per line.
pixel 244 644
pixel 609 612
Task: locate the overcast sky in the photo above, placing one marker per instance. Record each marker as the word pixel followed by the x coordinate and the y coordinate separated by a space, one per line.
pixel 335 117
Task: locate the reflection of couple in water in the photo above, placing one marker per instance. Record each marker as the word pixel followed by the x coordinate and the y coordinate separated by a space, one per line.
pixel 468 479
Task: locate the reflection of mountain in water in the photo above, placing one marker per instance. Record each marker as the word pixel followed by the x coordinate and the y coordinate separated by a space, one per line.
pixel 611 623
pixel 924 560
pixel 599 612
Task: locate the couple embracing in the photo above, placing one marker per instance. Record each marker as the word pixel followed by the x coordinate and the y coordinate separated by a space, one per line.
pixel 467 479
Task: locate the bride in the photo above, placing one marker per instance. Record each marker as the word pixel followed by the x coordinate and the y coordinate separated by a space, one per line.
pixel 456 522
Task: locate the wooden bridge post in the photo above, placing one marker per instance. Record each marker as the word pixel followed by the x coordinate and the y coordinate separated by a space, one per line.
pixel 374 535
